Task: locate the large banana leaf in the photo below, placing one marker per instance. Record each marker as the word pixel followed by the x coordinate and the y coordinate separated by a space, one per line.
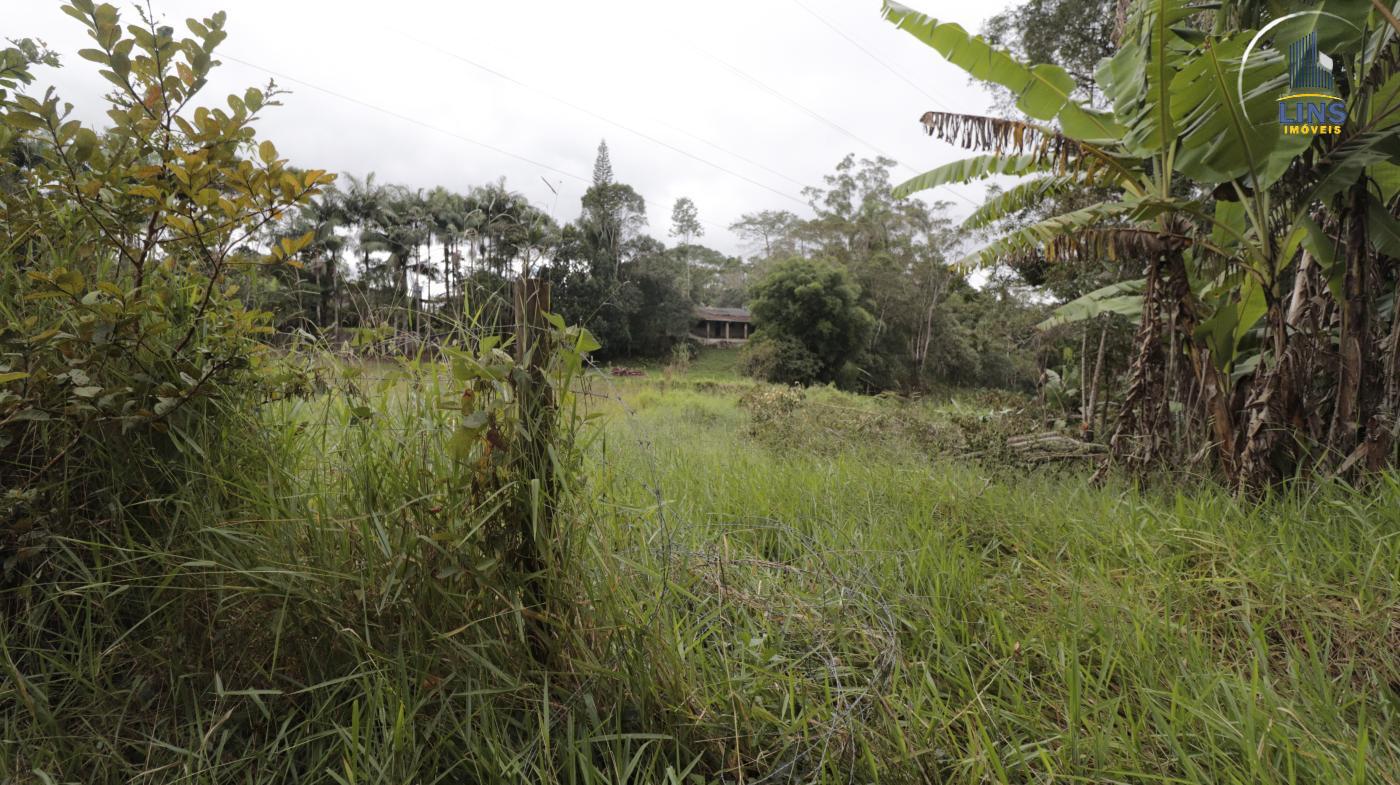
pixel 1017 198
pixel 1042 232
pixel 1239 304
pixel 1042 91
pixel 1220 139
pixel 1123 298
pixel 1385 229
pixel 1339 24
pixel 969 169
pixel 1342 164
pixel 1138 78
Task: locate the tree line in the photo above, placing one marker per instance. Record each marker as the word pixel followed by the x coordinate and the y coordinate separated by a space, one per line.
pixel 420 260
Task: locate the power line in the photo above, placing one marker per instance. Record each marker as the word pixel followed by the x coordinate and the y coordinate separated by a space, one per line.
pixel 821 118
pixel 727 151
pixel 870 54
pixel 608 120
pixel 401 116
pixel 420 123
pixel 494 72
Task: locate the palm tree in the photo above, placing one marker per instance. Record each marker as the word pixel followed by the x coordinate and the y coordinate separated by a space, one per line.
pixel 396 229
pixel 362 203
pixel 324 216
pixel 446 214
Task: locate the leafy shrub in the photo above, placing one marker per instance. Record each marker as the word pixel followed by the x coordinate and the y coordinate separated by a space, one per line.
pixel 778 359
pixel 125 340
pixel 769 404
pixel 810 323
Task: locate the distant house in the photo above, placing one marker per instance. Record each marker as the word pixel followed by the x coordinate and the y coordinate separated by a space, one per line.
pixel 721 326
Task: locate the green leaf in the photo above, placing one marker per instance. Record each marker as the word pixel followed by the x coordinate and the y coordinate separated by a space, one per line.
pixel 460 444
pixel 84 144
pixel 1238 308
pixel 1220 140
pixel 267 152
pixel 1123 298
pixel 1017 198
pixel 1345 162
pixel 586 342
pixel 1042 91
pixel 477 420
pixel 1385 229
pixel 69 281
pixel 969 169
pixel 12 376
pixel 1044 231
pixel 1137 79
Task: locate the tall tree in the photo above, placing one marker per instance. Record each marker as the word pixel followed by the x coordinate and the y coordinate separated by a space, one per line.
pixel 602 166
pixel 685 227
pixel 769 232
pixel 1073 34
pixel 810 323
pixel 613 214
pixel 685 221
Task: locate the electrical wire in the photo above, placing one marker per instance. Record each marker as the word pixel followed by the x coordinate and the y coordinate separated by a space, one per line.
pixel 870 54
pixel 604 119
pixel 422 124
pixel 400 116
pixel 821 118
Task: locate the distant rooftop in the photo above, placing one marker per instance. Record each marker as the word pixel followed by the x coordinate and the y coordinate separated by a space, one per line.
pixel 722 314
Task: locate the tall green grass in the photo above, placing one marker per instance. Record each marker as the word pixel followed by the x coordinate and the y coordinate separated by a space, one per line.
pixel 841 606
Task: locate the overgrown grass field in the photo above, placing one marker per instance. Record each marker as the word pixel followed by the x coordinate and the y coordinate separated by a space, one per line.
pixel 761 587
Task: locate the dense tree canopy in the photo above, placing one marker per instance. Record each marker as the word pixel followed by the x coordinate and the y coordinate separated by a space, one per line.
pixel 811 323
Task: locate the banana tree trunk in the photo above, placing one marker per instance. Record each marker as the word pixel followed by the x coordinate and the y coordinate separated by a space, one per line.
pixel 1089 411
pixel 1143 416
pixel 1355 405
pixel 1212 385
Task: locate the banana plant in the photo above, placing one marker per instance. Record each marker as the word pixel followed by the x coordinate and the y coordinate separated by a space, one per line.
pixel 1212 197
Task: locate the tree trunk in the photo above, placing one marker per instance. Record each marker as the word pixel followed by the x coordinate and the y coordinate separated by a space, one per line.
pixel 1354 345
pixel 1143 415
pixel 1089 411
pixel 1084 378
pixel 1212 385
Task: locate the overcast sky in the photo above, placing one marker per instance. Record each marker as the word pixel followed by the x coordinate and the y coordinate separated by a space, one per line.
pixel 776 92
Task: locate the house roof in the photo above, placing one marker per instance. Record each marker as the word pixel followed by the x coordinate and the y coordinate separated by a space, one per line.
pixel 722 314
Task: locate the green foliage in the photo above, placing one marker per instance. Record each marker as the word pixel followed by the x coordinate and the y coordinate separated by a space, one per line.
pixel 1074 34
pixel 123 329
pixel 1042 91
pixel 334 610
pixel 1200 192
pixel 781 359
pixel 1121 298
pixel 810 322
